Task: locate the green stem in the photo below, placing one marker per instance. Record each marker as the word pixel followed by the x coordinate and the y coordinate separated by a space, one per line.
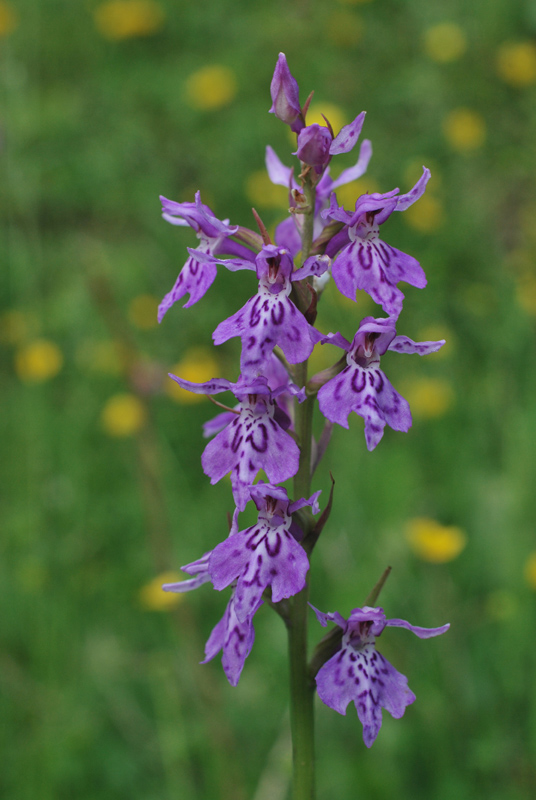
pixel 301 686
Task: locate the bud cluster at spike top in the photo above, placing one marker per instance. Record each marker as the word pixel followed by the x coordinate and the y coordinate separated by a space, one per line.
pixel 276 330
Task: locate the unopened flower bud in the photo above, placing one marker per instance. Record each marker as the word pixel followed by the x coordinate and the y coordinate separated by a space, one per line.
pixel 285 96
pixel 314 142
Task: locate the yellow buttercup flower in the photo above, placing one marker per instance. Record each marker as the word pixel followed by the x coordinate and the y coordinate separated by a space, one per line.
pixel 516 63
pixel 530 570
pixel 153 598
pixel 198 366
pixel 123 415
pixel 127 19
pixel 211 87
pixel 425 216
pixel 464 129
pixel 434 542
pixel 428 397
pixel 38 361
pixel 445 42
pixel 8 19
pixel 142 312
pixel 263 193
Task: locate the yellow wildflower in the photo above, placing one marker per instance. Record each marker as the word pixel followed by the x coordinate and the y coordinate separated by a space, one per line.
pixel 516 63
pixel 123 415
pixel 428 397
pixel 464 129
pixel 8 19
pixel 153 598
pixel 434 542
pixel 197 366
pixel 38 361
pixel 126 19
pixel 445 42
pixel 530 570
pixel 211 87
pixel 142 312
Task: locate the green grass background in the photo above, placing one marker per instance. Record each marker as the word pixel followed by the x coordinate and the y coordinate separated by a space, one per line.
pixel 102 698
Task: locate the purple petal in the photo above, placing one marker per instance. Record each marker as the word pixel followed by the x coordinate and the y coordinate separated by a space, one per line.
pixel 406 200
pixel 376 267
pixel 333 616
pixel 312 501
pixel 365 677
pixel 235 638
pixel 288 236
pixel 314 265
pixel 214 386
pixel 359 169
pixel 195 279
pixel 277 171
pixel 371 396
pixel 422 633
pixel 403 344
pixel 348 136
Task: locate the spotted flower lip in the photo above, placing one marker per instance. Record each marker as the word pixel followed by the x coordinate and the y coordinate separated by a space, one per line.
pixel 362 387
pixel 366 262
pixel 253 440
pixel 265 554
pixel 270 318
pixel 199 271
pixel 235 638
pixel 359 673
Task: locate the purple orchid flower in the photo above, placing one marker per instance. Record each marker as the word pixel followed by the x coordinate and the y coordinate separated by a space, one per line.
pixel 287 233
pixel 271 318
pixel 362 386
pixel 286 96
pixel 365 261
pixel 197 275
pixel 278 380
pixel 316 143
pixel 358 672
pixel 266 554
pixel 255 439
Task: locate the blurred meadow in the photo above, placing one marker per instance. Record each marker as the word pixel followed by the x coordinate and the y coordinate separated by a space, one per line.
pixel 106 105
